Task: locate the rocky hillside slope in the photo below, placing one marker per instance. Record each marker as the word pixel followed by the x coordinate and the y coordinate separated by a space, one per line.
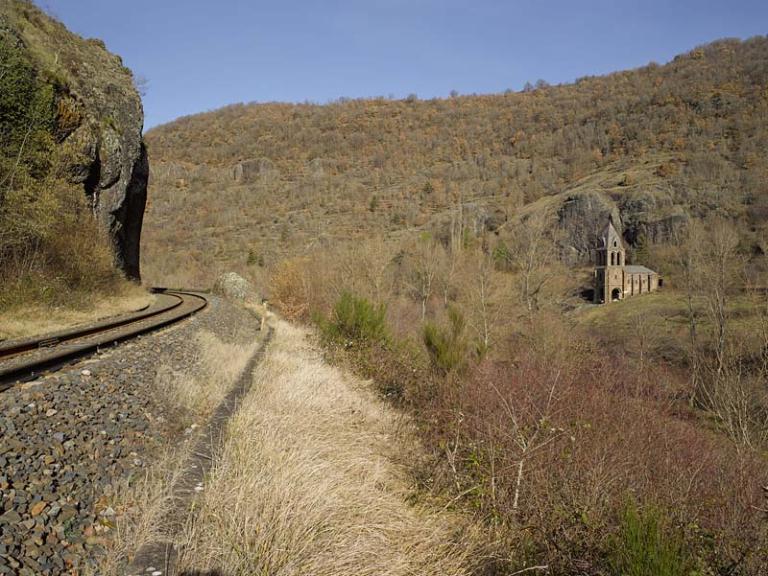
pixel 654 146
pixel 70 117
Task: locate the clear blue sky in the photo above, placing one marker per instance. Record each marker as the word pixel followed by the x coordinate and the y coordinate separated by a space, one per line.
pixel 199 55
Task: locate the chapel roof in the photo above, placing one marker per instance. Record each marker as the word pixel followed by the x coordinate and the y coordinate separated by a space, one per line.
pixel 611 237
pixel 638 270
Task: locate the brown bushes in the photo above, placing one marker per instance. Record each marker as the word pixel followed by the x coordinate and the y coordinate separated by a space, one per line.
pixel 290 289
pixel 574 455
pixel 551 445
pixel 551 453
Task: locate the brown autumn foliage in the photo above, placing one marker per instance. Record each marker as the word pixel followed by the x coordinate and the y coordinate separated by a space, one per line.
pixel 275 179
pixel 550 447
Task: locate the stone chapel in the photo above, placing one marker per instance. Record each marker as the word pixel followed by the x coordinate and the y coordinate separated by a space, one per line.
pixel 614 279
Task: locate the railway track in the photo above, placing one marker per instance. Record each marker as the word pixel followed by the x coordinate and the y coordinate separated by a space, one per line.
pixel 26 359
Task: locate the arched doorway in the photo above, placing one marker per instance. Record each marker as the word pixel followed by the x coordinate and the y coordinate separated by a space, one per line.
pixel 615 294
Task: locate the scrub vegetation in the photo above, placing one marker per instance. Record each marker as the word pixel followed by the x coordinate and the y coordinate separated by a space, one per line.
pixel 583 439
pixel 266 181
pixel 49 245
pixel 435 247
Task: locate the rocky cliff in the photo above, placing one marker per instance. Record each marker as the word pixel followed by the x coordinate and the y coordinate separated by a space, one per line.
pixel 97 121
pixel 633 196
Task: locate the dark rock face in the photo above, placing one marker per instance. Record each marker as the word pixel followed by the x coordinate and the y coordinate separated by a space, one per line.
pixel 102 147
pixel 113 156
pixel 126 223
pixel 116 172
pixel 582 217
pixel 654 217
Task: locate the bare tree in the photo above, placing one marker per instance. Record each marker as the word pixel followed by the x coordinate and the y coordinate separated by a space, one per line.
pixel 646 338
pixel 532 253
pixel 141 83
pixel 424 262
pixel 484 298
pixel 721 383
pixel 367 268
pixel 457 227
pixel 687 262
pixel 721 270
pixel 530 435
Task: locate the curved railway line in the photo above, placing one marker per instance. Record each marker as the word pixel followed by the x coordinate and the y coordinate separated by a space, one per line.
pixel 25 359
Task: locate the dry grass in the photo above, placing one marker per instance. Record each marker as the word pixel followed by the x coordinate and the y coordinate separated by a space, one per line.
pixel 661 319
pixel 194 392
pixel 191 396
pixel 38 319
pixel 307 482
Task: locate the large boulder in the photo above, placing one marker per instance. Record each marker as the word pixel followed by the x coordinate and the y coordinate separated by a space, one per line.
pixel 100 122
pixel 233 287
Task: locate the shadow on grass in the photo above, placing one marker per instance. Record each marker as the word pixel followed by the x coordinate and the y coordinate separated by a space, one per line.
pixel 202 573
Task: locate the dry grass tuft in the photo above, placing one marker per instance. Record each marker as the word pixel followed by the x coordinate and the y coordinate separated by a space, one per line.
pixel 307 484
pixel 142 505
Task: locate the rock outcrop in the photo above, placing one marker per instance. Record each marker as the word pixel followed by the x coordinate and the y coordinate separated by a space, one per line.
pixel 233 287
pixel 582 216
pixel 653 217
pixel 640 216
pixel 98 126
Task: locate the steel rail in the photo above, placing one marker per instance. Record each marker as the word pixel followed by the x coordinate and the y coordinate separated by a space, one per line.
pixel 14 347
pixel 26 359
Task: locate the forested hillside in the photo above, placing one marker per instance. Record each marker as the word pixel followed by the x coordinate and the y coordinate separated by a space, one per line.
pixel 686 138
pixel 441 248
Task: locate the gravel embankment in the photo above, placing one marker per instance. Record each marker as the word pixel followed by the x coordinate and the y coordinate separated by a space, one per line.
pixel 69 439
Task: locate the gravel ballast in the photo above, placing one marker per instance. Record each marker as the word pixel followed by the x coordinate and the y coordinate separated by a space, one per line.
pixel 68 440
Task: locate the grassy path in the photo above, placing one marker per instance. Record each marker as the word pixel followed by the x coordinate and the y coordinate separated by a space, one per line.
pixel 307 482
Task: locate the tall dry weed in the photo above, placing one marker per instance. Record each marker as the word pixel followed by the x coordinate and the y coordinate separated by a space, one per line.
pixel 193 392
